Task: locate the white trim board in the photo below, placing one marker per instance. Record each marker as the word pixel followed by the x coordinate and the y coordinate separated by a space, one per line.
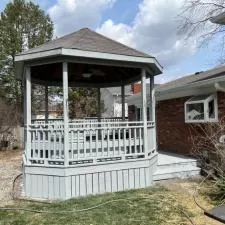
pixel 79 56
pixel 88 54
pixel 196 88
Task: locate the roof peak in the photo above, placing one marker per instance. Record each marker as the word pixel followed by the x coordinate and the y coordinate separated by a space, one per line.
pixel 88 40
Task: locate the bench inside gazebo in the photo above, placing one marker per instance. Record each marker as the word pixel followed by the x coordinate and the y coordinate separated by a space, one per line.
pixel 71 158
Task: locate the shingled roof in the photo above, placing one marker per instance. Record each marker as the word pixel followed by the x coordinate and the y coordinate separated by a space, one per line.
pixel 88 40
pixel 197 77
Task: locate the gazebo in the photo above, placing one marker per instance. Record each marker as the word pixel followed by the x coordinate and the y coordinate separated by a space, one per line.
pixel 71 158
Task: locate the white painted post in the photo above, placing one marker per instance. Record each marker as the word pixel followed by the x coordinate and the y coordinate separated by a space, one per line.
pixel 151 100
pixel 99 105
pixel 99 112
pixel 123 102
pixel 65 113
pixel 46 104
pixel 152 106
pixel 144 110
pixel 28 111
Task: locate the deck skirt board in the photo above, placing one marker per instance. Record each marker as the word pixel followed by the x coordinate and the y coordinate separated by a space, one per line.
pixel 68 184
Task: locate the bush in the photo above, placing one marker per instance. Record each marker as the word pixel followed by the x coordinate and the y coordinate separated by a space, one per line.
pixel 209 145
pixel 219 188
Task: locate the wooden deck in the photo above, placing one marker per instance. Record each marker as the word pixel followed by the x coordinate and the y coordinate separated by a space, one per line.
pixel 99 157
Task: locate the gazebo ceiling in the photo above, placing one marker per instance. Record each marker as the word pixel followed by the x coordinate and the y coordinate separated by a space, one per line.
pixel 84 74
pixel 110 63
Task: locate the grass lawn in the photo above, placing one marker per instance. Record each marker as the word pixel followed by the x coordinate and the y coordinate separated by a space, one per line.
pixel 147 206
pixel 155 205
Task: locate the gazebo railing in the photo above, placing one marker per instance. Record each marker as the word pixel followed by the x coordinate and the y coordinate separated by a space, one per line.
pixel 79 120
pixel 88 143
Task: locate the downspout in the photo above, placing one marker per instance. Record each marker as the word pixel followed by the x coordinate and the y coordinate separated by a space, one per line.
pixel 219 87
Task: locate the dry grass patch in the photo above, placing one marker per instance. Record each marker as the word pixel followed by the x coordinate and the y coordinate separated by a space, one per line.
pixel 10 167
pixel 183 191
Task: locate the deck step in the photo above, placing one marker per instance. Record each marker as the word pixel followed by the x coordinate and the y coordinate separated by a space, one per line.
pixel 175 166
pixel 164 174
pixel 179 165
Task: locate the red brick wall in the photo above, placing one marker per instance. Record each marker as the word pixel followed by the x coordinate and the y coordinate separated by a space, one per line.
pixel 173 134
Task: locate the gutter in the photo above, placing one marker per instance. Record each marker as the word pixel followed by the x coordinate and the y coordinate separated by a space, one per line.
pixel 219 87
pixel 190 86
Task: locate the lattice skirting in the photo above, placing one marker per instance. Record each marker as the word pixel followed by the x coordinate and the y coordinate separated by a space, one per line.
pixel 65 183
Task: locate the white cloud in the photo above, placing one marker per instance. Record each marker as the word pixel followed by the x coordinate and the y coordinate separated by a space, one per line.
pixel 120 32
pixel 69 15
pixel 154 30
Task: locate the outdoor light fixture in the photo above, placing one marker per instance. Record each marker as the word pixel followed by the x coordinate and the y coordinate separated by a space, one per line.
pixel 86 72
pixel 86 75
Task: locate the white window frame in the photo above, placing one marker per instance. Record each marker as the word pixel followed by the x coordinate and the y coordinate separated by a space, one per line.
pixel 206 109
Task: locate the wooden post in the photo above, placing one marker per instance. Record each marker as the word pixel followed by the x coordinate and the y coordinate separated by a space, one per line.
pixel 99 113
pixel 123 102
pixel 152 106
pixel 28 111
pixel 151 100
pixel 144 109
pixel 46 104
pixel 99 105
pixel 65 113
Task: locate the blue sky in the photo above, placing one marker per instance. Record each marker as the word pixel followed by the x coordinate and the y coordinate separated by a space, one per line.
pixel 148 25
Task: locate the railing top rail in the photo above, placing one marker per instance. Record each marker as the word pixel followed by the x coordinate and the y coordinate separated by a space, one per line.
pixel 80 119
pixel 93 123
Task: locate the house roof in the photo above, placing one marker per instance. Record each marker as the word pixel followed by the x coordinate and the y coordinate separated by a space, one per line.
pixel 88 40
pixel 117 90
pixel 194 78
pixel 136 98
pixel 195 84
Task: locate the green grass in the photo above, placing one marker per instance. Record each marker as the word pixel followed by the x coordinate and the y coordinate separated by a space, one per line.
pixel 146 206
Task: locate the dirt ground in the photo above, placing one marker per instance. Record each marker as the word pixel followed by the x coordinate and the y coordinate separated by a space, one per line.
pixel 10 167
pixel 182 190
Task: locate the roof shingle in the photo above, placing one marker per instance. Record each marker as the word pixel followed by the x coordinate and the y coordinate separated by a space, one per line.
pixel 180 82
pixel 88 40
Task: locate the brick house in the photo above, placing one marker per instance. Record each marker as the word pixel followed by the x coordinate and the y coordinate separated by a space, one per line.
pixel 183 103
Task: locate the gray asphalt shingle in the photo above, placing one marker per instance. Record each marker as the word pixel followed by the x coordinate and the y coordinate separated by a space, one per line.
pixel 88 40
pixel 197 77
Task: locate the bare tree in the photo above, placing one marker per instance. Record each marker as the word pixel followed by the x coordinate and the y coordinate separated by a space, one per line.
pixel 9 119
pixel 195 20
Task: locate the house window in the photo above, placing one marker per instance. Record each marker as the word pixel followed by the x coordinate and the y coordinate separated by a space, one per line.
pixel 200 109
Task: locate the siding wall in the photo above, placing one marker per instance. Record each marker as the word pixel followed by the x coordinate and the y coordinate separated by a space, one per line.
pixel 173 134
